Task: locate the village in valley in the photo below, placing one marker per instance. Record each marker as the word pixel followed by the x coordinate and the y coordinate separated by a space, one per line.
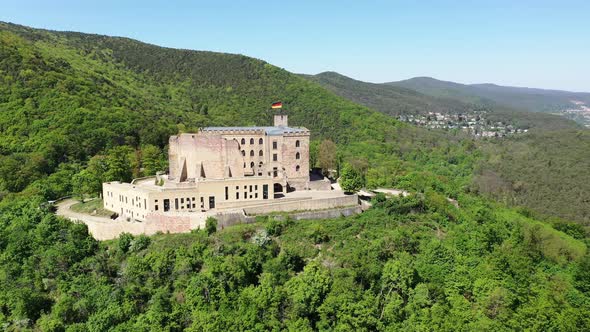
pixel 580 112
pixel 475 123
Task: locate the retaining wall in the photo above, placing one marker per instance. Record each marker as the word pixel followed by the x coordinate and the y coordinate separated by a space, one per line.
pixel 304 205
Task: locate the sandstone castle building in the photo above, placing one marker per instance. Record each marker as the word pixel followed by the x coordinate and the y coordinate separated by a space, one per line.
pixel 219 168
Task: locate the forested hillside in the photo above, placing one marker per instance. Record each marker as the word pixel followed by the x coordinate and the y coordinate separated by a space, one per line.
pixel 416 263
pixel 543 171
pixel 403 99
pixel 65 97
pixel 79 109
pixel 388 99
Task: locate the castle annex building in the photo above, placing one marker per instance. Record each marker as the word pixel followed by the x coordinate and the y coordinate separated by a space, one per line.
pixel 219 168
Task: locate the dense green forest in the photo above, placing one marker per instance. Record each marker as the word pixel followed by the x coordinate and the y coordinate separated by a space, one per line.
pixel 416 263
pixel 533 170
pixel 79 109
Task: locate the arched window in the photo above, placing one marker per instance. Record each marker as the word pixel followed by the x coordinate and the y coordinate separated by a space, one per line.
pixel 260 153
pixel 243 141
pixel 251 153
pixel 297 168
pixel 243 153
pixel 297 155
pixel 251 141
pixel 252 165
pixel 260 141
pixel 297 143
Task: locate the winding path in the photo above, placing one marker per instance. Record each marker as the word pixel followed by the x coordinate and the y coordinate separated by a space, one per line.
pixel 101 228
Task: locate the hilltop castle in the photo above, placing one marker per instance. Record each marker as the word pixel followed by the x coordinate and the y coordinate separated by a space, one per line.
pixel 219 168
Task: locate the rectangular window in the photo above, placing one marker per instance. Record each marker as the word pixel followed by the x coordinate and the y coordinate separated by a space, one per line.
pixel 145 203
pixel 275 172
pixel 237 195
pixel 250 188
pixel 212 202
pixel 182 200
pixel 202 203
pixel 226 193
pixel 256 187
pixel 255 195
pixel 274 145
pixel 166 205
pixel 176 204
pixel 265 191
pixel 275 157
pixel 193 205
pixel 156 207
pixel 245 195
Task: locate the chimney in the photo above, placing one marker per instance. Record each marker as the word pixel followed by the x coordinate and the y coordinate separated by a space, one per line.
pixel 280 120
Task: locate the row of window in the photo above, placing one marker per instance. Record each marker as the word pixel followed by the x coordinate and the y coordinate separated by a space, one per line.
pixel 243 141
pixel 274 155
pixel 260 153
pixel 127 212
pixel 250 192
pixel 297 168
pixel 136 201
pixel 261 141
pixel 252 164
pixel 275 171
pixel 180 203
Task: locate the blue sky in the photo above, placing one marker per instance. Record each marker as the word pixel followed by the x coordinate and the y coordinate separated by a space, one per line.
pixel 542 44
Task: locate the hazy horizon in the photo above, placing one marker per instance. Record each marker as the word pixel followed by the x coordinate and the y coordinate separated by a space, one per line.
pixel 534 44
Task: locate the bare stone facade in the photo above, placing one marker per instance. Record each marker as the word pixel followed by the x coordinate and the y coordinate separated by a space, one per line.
pixel 280 151
pixel 217 168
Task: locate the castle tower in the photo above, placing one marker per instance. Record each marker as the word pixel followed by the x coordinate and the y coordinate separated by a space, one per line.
pixel 280 120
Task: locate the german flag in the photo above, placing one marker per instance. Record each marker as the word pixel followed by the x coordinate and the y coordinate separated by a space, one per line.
pixel 277 105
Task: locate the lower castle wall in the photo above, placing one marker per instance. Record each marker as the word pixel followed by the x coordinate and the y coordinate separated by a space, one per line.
pixel 304 205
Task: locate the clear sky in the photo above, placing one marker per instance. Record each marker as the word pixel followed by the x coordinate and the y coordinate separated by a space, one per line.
pixel 539 43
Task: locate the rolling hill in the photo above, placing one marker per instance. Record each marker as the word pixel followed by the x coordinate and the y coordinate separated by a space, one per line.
pixel 66 97
pixel 77 106
pixel 529 99
pixel 525 171
pixel 396 100
pixel 388 99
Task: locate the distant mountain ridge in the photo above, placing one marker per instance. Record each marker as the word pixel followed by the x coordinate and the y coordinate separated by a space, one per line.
pixel 529 99
pixel 388 99
pixel 423 95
